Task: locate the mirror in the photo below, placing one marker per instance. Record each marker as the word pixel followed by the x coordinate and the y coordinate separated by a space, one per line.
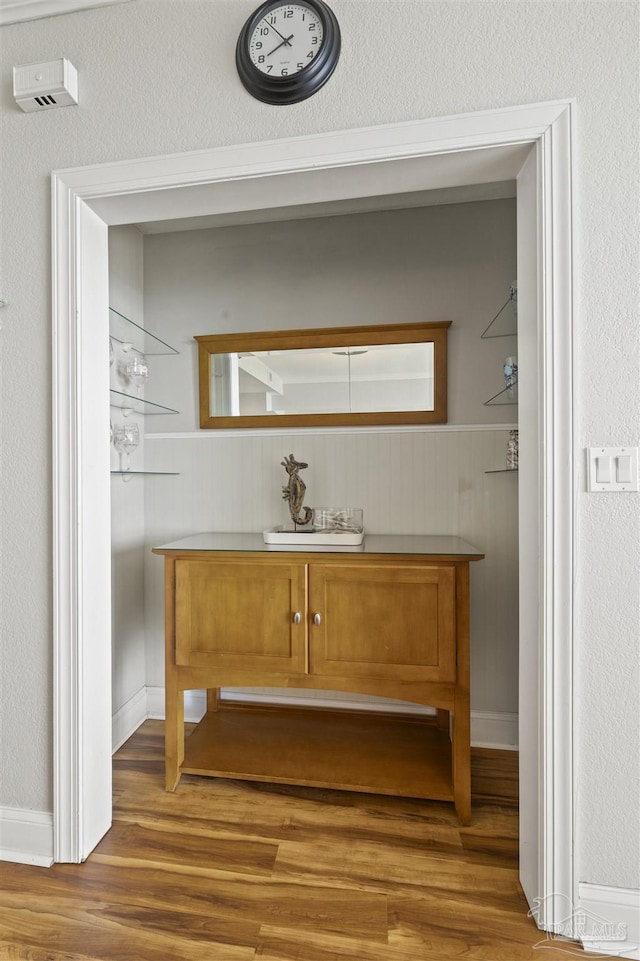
pixel 339 376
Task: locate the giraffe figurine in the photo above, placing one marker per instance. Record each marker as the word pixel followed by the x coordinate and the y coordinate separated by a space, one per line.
pixel 294 491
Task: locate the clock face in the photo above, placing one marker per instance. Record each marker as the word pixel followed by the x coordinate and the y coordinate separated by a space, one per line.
pixel 286 40
pixel 286 51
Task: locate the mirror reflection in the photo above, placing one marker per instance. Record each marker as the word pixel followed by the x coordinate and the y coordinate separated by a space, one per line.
pixel 324 380
pixel 333 376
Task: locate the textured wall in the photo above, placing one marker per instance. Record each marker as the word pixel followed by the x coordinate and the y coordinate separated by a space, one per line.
pixel 127 495
pixel 159 77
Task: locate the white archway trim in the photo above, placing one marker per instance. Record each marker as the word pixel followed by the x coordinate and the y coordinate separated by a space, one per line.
pixel 81 521
pixel 556 523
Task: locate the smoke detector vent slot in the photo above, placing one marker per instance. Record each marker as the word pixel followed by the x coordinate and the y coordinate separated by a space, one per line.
pixel 41 86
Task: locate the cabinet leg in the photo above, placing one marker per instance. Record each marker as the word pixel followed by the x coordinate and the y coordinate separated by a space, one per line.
pixel 461 758
pixel 173 738
pixel 442 719
pixel 461 740
pixel 173 696
pixel 213 698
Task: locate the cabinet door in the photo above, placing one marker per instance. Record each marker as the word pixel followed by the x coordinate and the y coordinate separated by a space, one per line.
pixel 383 621
pixel 240 615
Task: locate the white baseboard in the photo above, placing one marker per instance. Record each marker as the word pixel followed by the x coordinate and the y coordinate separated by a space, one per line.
pixel 338 700
pixel 609 920
pixel 498 731
pixel 26 837
pixel 128 718
pixel 195 704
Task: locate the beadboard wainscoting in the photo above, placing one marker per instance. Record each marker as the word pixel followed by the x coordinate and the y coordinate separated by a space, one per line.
pixel 408 481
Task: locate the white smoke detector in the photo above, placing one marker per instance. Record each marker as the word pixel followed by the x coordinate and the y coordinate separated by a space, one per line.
pixel 40 86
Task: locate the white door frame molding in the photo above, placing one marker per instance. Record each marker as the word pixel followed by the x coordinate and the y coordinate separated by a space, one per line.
pixel 114 193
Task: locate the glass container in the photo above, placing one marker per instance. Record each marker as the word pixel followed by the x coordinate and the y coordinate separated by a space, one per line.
pixel 347 520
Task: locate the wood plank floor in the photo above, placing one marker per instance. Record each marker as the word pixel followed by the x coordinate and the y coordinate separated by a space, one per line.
pixel 237 871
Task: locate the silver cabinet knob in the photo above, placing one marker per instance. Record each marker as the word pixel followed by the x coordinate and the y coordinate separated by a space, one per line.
pixel 317 619
pixel 297 617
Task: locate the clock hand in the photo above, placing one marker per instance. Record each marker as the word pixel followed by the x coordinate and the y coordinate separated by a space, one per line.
pixel 284 41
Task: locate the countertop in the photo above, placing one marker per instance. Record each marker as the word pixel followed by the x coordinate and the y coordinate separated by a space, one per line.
pixel 436 545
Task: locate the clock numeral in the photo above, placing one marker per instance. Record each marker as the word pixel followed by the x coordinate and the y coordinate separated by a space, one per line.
pixel 299 66
pixel 312 26
pixel 287 14
pixel 285 72
pixel 269 67
pixel 264 31
pixel 314 40
pixel 311 55
pixel 258 44
pixel 261 58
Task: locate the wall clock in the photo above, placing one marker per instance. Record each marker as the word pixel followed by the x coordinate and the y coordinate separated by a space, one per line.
pixel 287 51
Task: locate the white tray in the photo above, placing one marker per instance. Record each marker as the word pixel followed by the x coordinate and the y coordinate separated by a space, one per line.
pixel 276 535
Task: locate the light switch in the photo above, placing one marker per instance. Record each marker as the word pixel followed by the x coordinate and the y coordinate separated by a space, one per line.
pixel 613 469
pixel 603 469
pixel 623 472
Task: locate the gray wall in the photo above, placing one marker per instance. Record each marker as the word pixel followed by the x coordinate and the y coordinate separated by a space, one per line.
pixel 452 262
pixel 158 78
pixel 441 262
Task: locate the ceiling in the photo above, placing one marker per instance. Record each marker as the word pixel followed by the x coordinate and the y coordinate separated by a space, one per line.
pixel 454 177
pixel 334 208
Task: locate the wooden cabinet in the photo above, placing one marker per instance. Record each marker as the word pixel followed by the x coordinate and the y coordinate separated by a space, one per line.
pixel 235 614
pixel 385 620
pixel 391 620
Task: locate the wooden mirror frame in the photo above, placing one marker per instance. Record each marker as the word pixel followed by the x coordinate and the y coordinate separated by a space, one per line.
pixel 432 332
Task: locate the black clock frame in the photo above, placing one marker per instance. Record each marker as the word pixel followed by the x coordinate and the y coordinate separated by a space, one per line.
pixel 299 86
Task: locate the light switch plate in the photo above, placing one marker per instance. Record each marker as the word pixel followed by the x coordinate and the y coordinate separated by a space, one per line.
pixel 613 462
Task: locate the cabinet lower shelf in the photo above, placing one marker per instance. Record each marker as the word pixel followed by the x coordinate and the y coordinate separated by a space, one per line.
pixel 372 753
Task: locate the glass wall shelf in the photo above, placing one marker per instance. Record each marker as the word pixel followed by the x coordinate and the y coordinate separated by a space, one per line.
pixel 128 402
pixel 508 395
pixel 505 322
pixel 127 332
pixel 503 470
pixel 130 473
